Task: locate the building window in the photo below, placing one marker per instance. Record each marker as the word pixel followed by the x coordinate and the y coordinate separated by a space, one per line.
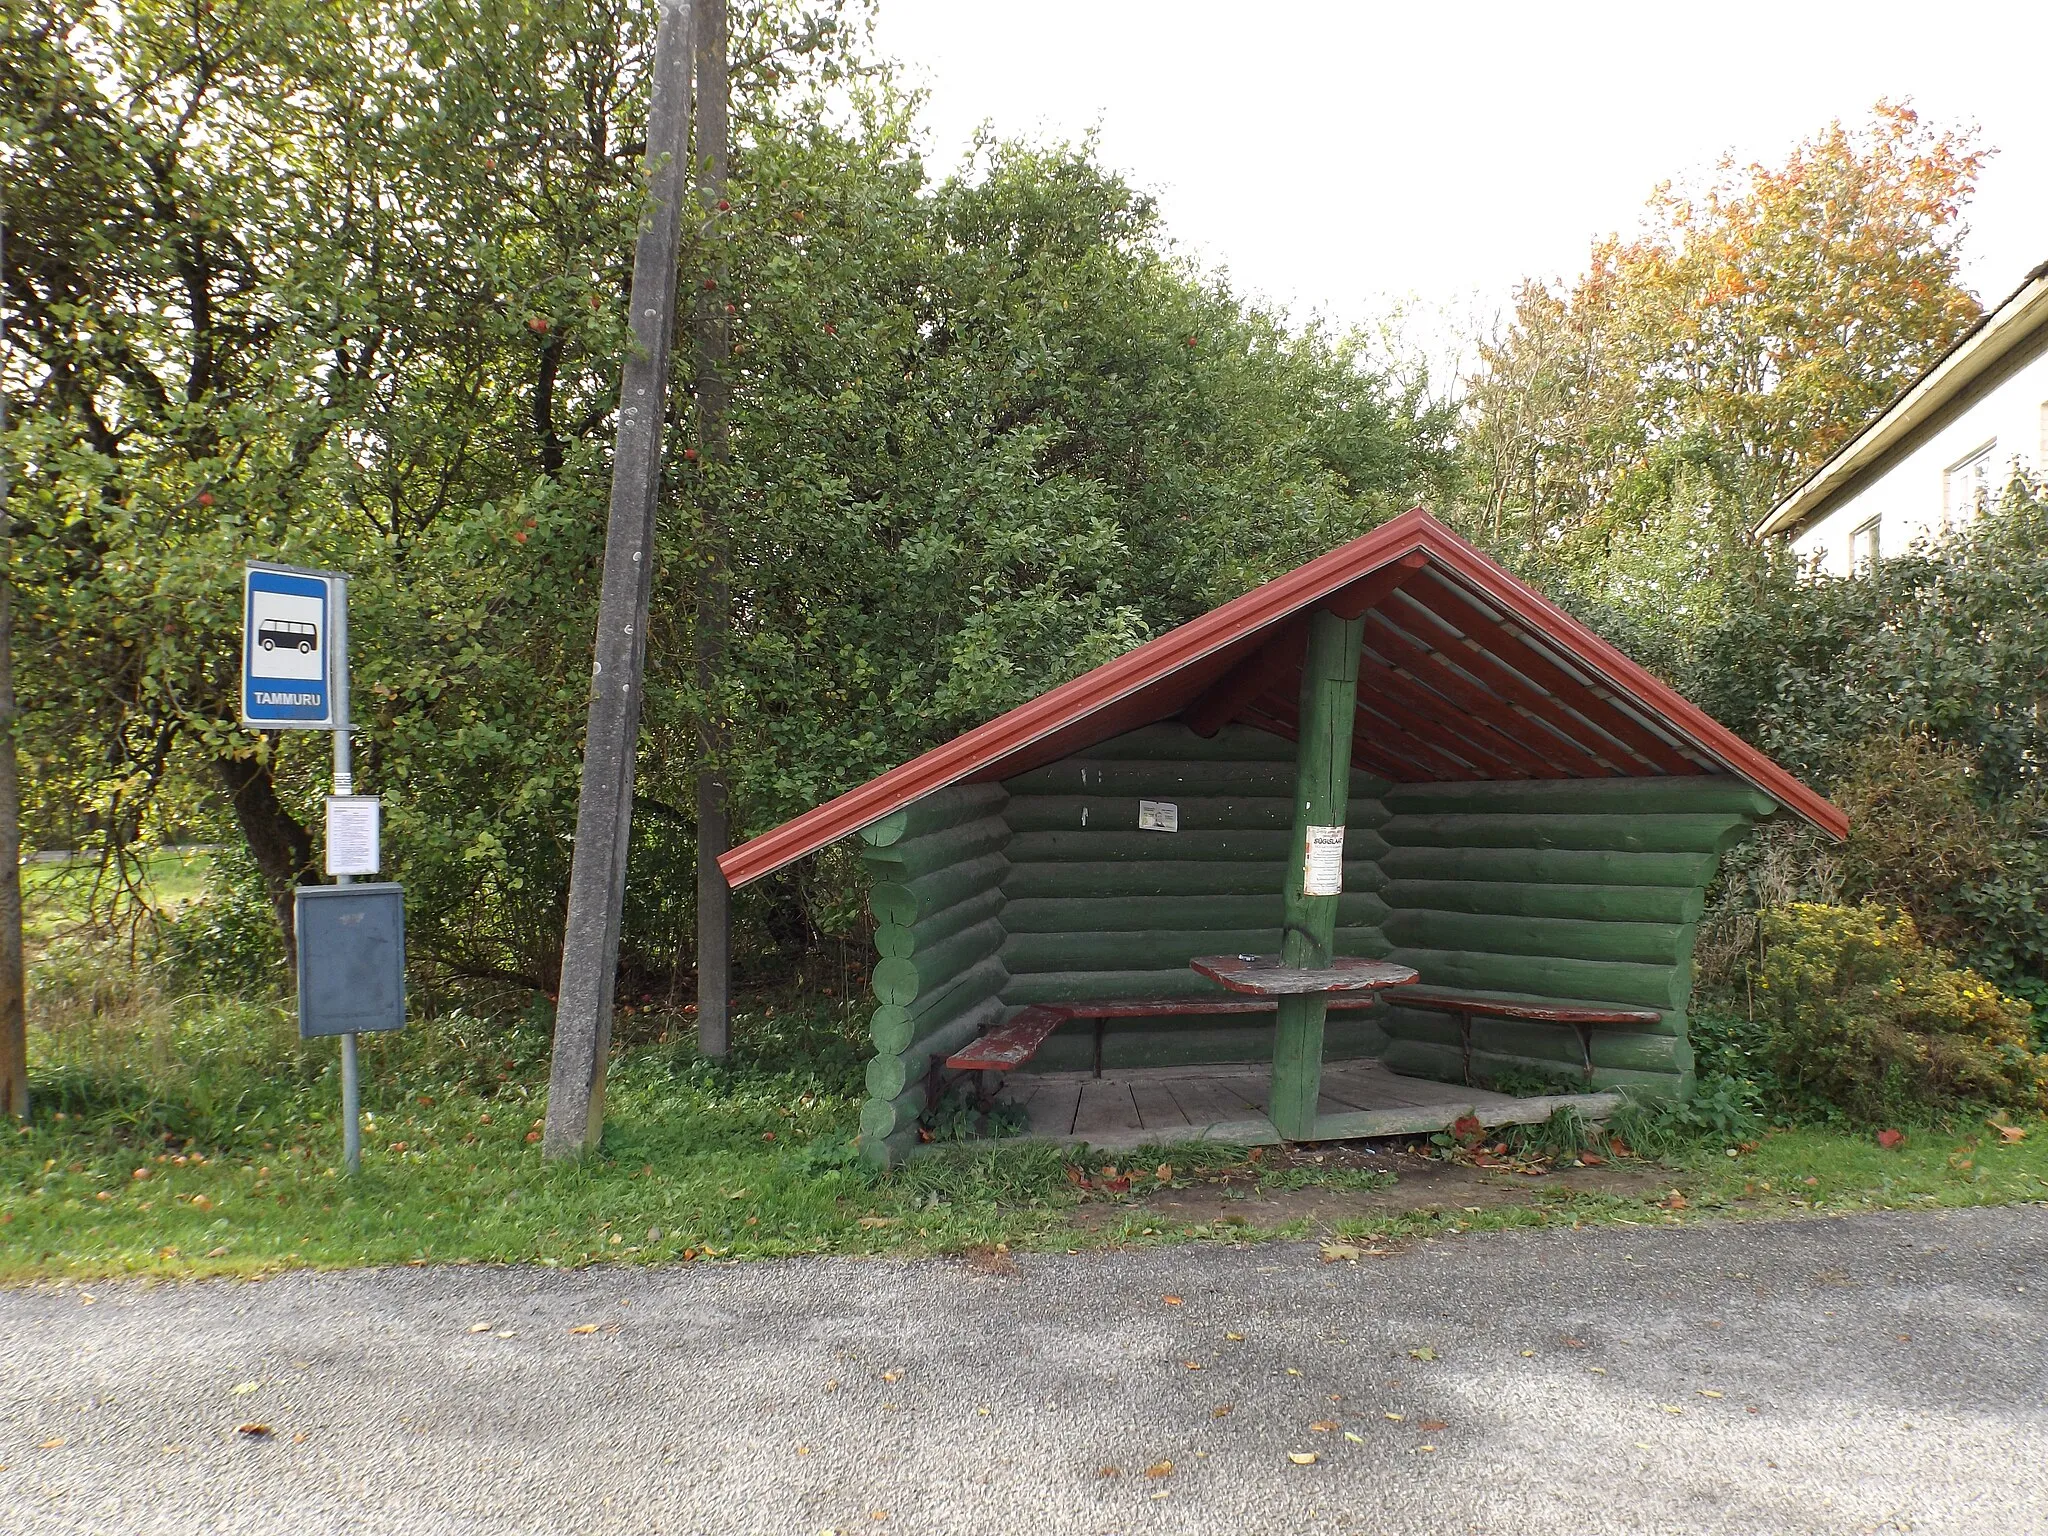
pixel 1863 546
pixel 1966 489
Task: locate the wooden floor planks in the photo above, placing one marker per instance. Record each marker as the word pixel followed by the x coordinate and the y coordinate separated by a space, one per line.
pixel 1130 1107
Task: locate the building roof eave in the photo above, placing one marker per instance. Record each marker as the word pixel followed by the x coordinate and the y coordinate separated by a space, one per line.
pixel 1993 337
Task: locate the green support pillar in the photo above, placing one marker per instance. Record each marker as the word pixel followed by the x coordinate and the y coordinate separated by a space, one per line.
pixel 1322 792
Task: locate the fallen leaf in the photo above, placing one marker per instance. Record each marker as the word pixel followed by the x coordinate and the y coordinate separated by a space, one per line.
pixel 243 1388
pixel 1424 1353
pixel 1302 1458
pixel 481 1327
pixel 2011 1133
pixel 1890 1139
pixel 52 1445
pixel 879 1221
pixel 1354 1439
pixel 301 1438
pixel 992 1260
pixel 583 1328
pixel 1334 1253
pixel 1674 1201
pixel 1171 1301
pixel 1109 1471
pixel 253 1429
pixel 1397 1417
pixel 1710 1392
pixel 1159 1469
pixel 1193 1365
pixel 1220 1411
pixel 1425 1448
pixel 892 1375
pixel 1324 1426
pixel 1235 1338
pixel 1671 1407
pixel 1163 1173
pixel 1431 1426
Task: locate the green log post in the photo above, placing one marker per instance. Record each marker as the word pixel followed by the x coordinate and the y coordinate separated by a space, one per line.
pixel 1322 789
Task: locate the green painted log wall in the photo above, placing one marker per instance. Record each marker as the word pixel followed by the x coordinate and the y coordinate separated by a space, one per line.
pixel 1575 888
pixel 988 897
pixel 1096 908
pixel 936 869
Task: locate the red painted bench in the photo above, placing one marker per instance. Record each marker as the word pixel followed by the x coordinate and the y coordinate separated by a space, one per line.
pixel 1583 1017
pixel 1009 1046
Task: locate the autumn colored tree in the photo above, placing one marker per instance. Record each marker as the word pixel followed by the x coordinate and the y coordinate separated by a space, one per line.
pixel 1757 321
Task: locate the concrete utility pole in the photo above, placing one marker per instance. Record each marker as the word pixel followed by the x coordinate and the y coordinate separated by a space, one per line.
pixel 604 815
pixel 714 598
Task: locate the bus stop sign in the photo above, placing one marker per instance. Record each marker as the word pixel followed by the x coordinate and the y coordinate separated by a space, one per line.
pixel 289 621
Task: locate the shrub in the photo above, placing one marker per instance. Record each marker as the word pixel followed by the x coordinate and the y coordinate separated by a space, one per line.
pixel 1865 1018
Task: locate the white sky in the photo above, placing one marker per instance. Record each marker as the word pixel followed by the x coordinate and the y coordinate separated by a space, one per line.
pixel 1343 158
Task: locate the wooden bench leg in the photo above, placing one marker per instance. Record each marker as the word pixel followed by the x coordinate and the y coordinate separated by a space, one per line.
pixel 1465 1032
pixel 1585 1034
pixel 1101 1028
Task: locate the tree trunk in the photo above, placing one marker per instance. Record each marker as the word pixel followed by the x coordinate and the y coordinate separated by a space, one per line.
pixel 283 849
pixel 714 598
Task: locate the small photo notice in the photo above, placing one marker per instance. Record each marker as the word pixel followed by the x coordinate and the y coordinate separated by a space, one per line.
pixel 1322 869
pixel 353 827
pixel 1158 816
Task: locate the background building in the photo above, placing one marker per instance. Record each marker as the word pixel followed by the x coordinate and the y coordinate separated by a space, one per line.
pixel 1939 453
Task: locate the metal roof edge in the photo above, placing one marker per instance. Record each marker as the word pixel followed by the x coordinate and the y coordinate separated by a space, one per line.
pixel 1075 699
pixel 1264 605
pixel 1650 692
pixel 1996 333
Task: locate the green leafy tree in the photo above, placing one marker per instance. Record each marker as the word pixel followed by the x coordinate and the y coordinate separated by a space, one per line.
pixel 341 285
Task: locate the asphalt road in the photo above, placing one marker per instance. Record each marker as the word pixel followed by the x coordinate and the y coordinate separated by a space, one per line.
pixel 1881 1373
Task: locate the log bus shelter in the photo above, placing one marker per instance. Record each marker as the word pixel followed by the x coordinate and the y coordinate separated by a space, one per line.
pixel 1321 863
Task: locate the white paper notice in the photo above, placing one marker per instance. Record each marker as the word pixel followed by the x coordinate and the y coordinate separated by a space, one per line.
pixel 352 834
pixel 1322 870
pixel 1158 816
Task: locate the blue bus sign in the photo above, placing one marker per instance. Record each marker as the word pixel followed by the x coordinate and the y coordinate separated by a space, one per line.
pixel 289 647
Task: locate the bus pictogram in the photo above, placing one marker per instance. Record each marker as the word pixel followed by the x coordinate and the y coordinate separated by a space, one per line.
pixel 287 633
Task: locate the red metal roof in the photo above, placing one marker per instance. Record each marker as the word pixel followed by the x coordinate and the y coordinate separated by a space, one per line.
pixel 1466 674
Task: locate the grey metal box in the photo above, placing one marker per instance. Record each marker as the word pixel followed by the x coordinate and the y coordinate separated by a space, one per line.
pixel 351 958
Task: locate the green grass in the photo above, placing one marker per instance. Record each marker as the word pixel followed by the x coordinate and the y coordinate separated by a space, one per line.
pixel 56 897
pixel 182 1136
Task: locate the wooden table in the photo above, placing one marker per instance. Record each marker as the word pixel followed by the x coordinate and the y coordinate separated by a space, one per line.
pixel 1267 976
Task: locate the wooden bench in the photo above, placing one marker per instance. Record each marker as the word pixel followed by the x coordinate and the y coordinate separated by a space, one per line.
pixel 1009 1046
pixel 1583 1017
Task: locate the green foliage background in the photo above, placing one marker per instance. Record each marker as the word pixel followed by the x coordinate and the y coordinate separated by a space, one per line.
pixel 341 285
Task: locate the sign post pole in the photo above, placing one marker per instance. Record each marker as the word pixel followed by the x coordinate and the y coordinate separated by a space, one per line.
pixel 345 784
